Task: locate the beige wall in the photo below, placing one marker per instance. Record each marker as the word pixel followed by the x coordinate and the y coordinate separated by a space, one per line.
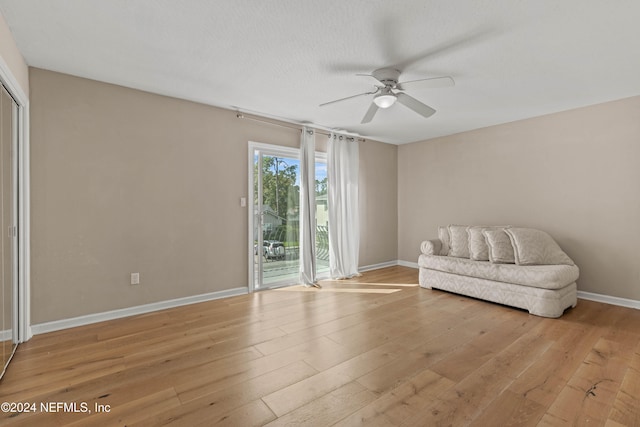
pixel 378 187
pixel 12 57
pixel 125 181
pixel 574 174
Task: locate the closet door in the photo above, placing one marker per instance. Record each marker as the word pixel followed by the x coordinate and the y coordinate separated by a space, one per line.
pixel 8 110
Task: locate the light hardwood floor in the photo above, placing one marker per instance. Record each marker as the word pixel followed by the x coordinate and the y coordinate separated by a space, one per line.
pixel 409 356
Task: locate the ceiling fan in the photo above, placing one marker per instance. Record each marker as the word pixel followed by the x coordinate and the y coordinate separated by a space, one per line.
pixel 391 90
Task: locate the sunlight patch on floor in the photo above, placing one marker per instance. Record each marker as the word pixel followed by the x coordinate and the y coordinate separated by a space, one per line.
pixel 345 282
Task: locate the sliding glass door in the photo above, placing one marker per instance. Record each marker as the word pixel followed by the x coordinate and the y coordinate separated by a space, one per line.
pixel 8 214
pixel 274 216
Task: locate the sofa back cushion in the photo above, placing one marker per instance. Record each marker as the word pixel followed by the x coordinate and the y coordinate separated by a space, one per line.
pixel 443 235
pixel 535 247
pixel 499 245
pixel 478 248
pixel 459 243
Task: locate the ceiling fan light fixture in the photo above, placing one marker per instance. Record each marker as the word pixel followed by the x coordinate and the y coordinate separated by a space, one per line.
pixel 385 99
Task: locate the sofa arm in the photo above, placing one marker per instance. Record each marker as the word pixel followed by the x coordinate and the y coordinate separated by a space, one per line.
pixel 431 247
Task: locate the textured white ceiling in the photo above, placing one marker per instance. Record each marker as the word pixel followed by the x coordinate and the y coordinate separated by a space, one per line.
pixel 282 58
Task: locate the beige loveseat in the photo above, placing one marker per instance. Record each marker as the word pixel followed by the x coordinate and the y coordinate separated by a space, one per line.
pixel 519 267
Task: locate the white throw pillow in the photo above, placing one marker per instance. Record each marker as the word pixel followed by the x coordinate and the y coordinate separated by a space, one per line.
pixel 443 235
pixel 459 243
pixel 535 247
pixel 478 248
pixel 500 248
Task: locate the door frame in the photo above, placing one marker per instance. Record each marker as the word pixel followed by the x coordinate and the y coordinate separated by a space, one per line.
pixel 22 288
pixel 271 149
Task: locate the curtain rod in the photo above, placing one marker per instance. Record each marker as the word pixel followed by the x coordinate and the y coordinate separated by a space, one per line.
pixel 295 127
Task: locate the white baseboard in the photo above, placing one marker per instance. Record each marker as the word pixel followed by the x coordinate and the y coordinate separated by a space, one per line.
pixel 378 266
pixel 407 264
pixel 57 325
pixel 388 264
pixel 624 302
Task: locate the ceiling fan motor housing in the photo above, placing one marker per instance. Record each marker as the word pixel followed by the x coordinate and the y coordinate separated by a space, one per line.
pixel 387 76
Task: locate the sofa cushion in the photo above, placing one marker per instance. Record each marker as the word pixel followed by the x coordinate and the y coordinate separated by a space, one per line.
pixel 443 235
pixel 538 276
pixel 459 241
pixel 535 247
pixel 500 248
pixel 478 248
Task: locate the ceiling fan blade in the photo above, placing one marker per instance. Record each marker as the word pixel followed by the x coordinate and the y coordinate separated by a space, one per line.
pixel 415 105
pixel 347 67
pixel 426 83
pixel 373 109
pixel 386 31
pixel 349 97
pixel 460 42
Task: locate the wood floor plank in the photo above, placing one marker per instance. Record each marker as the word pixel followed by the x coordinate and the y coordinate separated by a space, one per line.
pixel 465 359
pixel 414 357
pixel 399 404
pixel 510 409
pixel 301 393
pixel 626 407
pixel 328 409
pixel 215 406
pixel 54 380
pixel 469 398
pixel 130 412
pixel 255 413
pixel 195 386
pixel 549 374
pixel 591 391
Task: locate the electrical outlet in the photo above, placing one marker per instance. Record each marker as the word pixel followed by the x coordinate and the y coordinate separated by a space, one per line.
pixel 135 278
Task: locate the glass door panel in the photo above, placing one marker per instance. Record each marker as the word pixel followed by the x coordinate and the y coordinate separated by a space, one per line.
pixel 322 218
pixel 276 206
